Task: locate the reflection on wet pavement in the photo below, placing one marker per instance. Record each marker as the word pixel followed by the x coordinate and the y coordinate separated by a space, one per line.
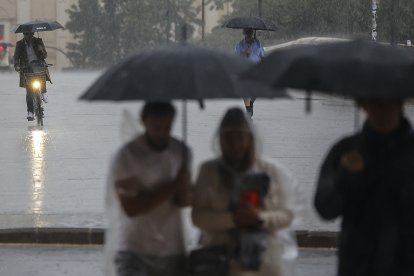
pixel 35 142
pixel 55 176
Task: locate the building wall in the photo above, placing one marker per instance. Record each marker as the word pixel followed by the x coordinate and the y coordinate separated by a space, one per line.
pixel 7 18
pixel 211 17
pixel 13 12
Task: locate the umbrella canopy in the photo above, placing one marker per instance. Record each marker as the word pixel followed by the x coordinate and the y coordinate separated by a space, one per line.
pixel 6 44
pixel 183 72
pixel 37 26
pixel 250 22
pixel 356 68
pixel 313 40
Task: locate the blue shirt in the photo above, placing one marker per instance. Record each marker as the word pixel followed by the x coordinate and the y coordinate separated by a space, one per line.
pixel 254 48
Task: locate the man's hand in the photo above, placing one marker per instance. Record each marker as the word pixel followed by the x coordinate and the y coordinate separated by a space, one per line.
pixel 17 68
pixel 183 183
pixel 352 161
pixel 246 53
pixel 246 215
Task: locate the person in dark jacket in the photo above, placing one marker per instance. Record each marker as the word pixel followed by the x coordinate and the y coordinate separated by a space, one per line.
pixel 368 180
pixel 30 49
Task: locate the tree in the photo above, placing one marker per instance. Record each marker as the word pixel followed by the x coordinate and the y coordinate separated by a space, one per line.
pixel 298 18
pixel 87 51
pixel 155 22
pixel 122 27
pixel 404 20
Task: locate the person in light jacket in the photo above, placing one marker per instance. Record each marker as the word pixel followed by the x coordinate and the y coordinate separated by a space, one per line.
pixel 212 211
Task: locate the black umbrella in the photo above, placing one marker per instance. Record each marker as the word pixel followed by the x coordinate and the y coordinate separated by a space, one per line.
pixel 252 22
pixel 184 72
pixel 37 26
pixel 356 68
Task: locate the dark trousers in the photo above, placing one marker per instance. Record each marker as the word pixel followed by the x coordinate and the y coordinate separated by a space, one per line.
pixel 29 98
pixel 132 264
pixel 29 101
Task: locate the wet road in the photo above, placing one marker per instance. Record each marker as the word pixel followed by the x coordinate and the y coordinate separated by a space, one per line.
pixel 55 176
pixel 75 260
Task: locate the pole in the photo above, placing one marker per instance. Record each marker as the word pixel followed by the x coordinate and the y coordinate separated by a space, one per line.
pixel 260 7
pixel 393 22
pixel 184 33
pixel 203 20
pixel 374 20
pixel 167 32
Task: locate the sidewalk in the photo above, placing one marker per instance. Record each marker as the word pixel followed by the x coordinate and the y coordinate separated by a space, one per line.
pixel 95 236
pixel 47 260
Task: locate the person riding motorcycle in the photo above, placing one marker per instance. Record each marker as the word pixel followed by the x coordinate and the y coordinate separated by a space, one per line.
pixel 30 50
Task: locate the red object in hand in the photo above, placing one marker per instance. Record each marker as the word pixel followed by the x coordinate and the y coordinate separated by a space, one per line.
pixel 250 198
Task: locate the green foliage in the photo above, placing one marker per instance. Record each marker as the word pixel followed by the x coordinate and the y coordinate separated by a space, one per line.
pixel 155 22
pixel 87 51
pixel 338 18
pixel 404 20
pixel 108 30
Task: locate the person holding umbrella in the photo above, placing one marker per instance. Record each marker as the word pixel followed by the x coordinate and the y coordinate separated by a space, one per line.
pixel 30 49
pixel 151 182
pixel 30 53
pixel 251 49
pixel 367 180
pixel 162 74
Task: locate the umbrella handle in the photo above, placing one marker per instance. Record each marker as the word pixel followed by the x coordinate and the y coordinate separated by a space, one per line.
pixel 184 132
pixel 201 103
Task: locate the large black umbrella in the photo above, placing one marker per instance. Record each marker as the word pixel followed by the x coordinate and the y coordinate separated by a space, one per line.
pixel 184 72
pixel 37 26
pixel 250 22
pixel 356 68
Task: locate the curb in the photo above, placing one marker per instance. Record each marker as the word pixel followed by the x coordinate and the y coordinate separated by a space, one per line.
pixel 95 236
pixel 83 236
pixel 317 239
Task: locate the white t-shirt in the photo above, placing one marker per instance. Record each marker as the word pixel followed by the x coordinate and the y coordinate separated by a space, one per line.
pixel 31 55
pixel 158 232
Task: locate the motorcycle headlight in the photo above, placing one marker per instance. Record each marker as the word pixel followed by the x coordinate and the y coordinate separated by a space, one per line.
pixel 36 84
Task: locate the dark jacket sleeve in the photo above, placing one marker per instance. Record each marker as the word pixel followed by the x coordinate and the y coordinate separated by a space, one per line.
pixel 335 183
pixel 328 199
pixel 17 54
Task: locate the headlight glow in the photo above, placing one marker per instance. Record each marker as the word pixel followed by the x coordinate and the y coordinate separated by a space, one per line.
pixel 36 84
